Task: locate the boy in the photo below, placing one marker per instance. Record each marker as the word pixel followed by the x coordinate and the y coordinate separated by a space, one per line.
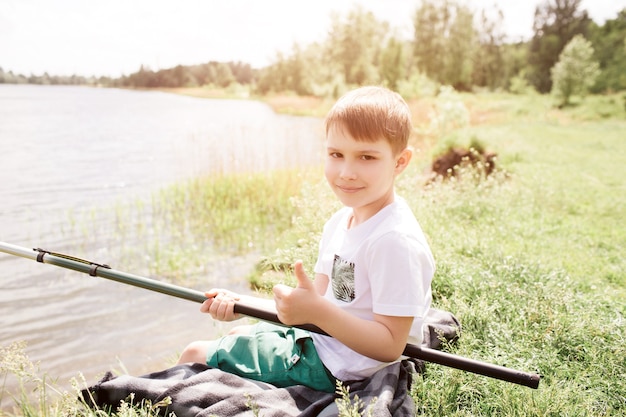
pixel 371 290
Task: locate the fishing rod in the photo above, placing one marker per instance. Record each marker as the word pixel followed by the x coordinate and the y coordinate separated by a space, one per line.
pixel 105 271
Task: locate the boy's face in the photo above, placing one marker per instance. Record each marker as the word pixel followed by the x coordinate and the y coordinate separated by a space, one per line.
pixel 362 174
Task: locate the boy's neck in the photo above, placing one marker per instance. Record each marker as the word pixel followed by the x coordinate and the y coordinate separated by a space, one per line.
pixel 362 214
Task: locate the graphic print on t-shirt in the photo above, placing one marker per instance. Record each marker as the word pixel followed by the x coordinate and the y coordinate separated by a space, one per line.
pixel 343 279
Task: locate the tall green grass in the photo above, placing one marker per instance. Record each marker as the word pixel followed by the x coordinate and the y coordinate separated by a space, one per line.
pixel 206 219
pixel 530 259
pixel 228 214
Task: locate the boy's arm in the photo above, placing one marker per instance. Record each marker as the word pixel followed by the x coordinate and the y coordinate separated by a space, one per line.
pixel 383 339
pixel 321 283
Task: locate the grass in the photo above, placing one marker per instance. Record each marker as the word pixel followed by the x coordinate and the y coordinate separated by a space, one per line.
pixel 221 212
pixel 530 262
pixel 530 259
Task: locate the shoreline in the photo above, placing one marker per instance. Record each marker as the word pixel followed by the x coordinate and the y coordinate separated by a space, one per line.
pixel 290 104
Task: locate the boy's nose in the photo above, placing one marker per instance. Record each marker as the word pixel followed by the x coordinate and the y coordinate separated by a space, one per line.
pixel 346 172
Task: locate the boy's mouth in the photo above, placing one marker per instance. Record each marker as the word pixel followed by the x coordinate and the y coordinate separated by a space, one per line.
pixel 349 190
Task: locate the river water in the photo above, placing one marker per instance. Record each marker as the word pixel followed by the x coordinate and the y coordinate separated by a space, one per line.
pixel 69 152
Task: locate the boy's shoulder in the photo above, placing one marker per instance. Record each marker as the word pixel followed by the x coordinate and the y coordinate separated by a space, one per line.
pixel 398 212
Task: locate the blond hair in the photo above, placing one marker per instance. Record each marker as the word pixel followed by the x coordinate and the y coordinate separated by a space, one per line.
pixel 371 113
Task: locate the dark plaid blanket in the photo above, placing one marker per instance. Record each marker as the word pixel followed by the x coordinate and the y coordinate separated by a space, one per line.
pixel 197 390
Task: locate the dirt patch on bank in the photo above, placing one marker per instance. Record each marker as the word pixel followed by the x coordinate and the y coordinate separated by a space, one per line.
pixel 456 160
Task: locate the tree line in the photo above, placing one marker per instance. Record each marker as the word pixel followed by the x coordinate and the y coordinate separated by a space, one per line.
pixel 451 45
pixel 219 74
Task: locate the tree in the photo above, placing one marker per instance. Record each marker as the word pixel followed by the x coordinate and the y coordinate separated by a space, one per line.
pixel 393 64
pixel 444 42
pixel 223 75
pixel 432 24
pixel 490 69
pixel 556 23
pixel 356 45
pixel 288 73
pixel 609 44
pixel 575 72
pixel 460 50
pixel 244 74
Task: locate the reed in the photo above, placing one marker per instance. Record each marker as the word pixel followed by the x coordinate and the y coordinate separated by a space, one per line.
pixel 226 214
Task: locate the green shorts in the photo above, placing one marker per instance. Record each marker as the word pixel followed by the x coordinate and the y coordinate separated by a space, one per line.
pixel 281 356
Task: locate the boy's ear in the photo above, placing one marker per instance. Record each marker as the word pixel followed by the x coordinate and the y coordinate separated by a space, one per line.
pixel 403 159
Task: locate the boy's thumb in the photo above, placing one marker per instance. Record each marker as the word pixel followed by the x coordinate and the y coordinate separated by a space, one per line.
pixel 303 279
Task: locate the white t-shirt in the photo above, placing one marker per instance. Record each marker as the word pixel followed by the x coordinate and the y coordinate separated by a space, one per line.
pixel 382 266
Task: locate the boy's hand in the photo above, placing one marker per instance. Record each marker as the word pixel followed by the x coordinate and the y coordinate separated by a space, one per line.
pixel 297 305
pixel 220 304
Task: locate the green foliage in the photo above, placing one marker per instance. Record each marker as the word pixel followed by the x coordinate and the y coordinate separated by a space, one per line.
pixel 351 407
pixel 252 405
pixel 8 77
pixel 36 394
pixel 490 61
pixel 430 23
pixel 393 64
pixel 213 73
pixel 416 86
pixel 575 72
pixel 128 408
pixel 609 44
pixel 556 23
pixel 357 41
pixel 300 241
pixel 289 74
pixel 444 42
pixel 519 85
pixel 451 113
pixel 39 396
pixel 447 48
pixel 515 65
pixel 452 44
pixel 209 218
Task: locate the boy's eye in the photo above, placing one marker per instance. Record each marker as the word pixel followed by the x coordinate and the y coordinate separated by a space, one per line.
pixel 337 155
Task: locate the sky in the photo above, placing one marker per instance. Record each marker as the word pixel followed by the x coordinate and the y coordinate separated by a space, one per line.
pixel 116 37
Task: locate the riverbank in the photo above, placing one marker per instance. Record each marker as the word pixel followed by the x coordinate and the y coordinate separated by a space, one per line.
pixel 283 104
